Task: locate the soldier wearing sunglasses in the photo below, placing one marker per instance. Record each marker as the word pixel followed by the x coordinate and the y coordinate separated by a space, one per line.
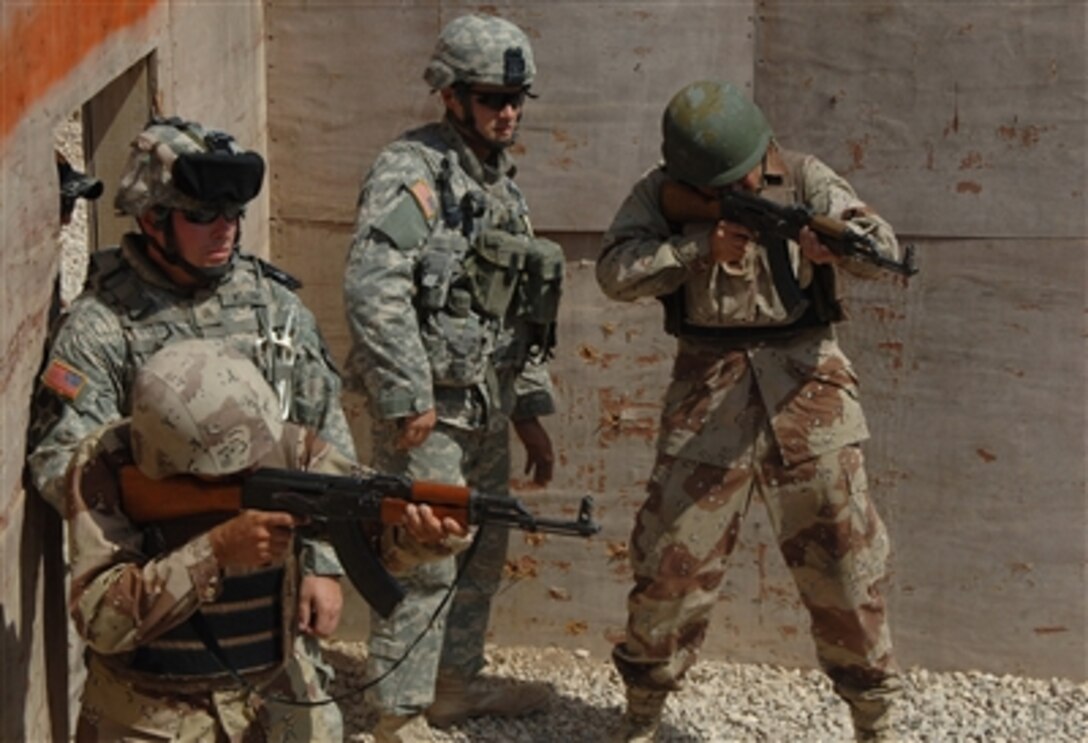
pixel 451 301
pixel 181 275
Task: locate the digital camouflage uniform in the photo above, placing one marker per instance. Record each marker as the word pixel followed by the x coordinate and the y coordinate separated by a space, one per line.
pixel 137 590
pixel 744 415
pixel 130 309
pixel 422 341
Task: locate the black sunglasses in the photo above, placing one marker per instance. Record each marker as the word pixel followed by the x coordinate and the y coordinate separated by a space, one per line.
pixel 497 101
pixel 207 216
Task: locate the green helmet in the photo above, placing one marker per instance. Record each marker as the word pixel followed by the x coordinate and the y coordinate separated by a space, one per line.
pixel 712 135
pixel 177 164
pixel 475 50
pixel 201 407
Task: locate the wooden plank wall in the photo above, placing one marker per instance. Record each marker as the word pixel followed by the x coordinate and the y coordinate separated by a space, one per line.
pixel 55 57
pixel 964 123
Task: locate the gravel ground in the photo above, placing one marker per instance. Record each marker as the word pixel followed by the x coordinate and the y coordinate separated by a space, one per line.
pixel 735 702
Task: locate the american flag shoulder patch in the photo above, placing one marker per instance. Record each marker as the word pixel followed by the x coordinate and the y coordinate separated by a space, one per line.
pixel 65 380
pixel 424 195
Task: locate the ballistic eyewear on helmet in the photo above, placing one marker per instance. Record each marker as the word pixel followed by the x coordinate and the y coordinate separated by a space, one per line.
pixel 498 100
pixel 207 216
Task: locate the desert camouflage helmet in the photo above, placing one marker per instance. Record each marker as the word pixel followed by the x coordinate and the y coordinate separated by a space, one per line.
pixel 177 164
pixel 712 134
pixel 200 407
pixel 481 50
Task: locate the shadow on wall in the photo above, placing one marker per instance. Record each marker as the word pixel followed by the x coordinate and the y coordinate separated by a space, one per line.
pixel 40 559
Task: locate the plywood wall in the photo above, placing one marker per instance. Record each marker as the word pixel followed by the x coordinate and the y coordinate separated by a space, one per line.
pixel 205 61
pixel 964 123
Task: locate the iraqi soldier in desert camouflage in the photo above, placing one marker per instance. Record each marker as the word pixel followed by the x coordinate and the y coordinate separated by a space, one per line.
pixel 763 402
pixel 451 302
pixel 147 584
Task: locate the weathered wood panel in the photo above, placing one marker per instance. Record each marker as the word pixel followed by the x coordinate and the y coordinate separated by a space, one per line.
pixel 344 80
pixel 973 376
pixel 961 119
pixel 54 58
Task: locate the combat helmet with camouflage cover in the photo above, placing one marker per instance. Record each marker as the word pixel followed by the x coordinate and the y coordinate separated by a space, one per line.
pixel 481 50
pixel 200 407
pixel 177 164
pixel 712 134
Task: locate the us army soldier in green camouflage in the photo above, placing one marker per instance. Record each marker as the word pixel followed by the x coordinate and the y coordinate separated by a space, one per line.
pixel 762 402
pixel 181 276
pixel 148 578
pixel 452 301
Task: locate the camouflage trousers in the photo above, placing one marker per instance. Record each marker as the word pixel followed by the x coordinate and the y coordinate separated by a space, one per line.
pixel 114 709
pixel 455 644
pixel 833 542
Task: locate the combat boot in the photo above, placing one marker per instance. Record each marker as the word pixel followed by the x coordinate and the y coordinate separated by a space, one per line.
pixel 874 711
pixel 403 729
pixel 641 719
pixel 456 700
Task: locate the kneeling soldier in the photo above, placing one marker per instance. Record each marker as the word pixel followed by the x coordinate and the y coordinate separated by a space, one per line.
pixel 205 627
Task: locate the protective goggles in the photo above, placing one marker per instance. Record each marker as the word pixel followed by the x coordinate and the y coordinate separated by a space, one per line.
pixel 219 177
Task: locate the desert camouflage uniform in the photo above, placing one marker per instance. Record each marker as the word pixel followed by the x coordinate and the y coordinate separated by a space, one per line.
pixel 124 597
pixel 778 417
pixel 476 371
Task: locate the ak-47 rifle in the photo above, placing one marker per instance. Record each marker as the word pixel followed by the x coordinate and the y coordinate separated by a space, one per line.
pixel 681 204
pixel 337 506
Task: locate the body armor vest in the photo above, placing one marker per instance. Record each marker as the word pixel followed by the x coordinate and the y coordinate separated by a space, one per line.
pixel 241 309
pixel 818 301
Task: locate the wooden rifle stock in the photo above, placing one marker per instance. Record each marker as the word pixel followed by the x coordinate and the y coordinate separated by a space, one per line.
pixel 681 204
pixel 145 500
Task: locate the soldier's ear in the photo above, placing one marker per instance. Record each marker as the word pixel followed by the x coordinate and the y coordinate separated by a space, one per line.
pixel 153 222
pixel 452 101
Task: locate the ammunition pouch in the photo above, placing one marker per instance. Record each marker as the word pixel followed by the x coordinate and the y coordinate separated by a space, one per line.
pixel 439 266
pixel 539 291
pixel 464 289
pixel 456 341
pixel 493 267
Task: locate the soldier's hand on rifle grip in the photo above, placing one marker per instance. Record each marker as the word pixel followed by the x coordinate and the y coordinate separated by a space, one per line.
pixel 253 539
pixel 813 249
pixel 414 429
pixel 424 526
pixel 728 242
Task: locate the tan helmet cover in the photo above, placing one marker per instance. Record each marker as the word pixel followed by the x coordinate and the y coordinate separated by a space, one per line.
pixel 200 407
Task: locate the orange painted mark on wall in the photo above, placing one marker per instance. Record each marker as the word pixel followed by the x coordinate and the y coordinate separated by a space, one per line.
pixel 42 41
